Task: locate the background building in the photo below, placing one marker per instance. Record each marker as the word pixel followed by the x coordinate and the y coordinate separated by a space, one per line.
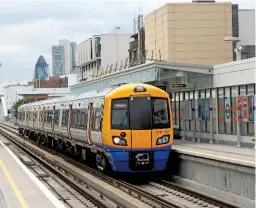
pixel 61 81
pixel 191 32
pixel 58 60
pixel 64 57
pixel 102 53
pixel 11 94
pixel 247 32
pixel 137 51
pixel 41 69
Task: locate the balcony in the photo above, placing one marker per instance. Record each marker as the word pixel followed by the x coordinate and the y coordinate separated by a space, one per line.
pixel 133 45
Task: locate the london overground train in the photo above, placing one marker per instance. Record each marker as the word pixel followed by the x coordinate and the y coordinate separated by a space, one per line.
pixel 127 128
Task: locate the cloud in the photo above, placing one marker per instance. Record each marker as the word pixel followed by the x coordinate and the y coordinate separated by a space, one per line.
pixel 29 29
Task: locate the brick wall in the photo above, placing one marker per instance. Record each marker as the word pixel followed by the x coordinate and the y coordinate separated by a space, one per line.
pixel 36 97
pixel 53 82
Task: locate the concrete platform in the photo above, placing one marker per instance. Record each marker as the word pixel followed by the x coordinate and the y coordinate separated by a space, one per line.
pixel 237 155
pixel 19 187
pixel 225 172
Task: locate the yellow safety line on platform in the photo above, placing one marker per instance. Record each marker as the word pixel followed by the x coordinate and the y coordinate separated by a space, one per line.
pixel 17 192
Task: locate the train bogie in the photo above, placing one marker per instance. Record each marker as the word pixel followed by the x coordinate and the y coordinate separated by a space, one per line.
pixel 126 128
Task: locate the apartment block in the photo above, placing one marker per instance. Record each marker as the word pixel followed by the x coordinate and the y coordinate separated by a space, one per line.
pixel 102 53
pixel 191 32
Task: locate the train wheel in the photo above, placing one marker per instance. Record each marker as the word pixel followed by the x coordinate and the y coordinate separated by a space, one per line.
pixel 101 162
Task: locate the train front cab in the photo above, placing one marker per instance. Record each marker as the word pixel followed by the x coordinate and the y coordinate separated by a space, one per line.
pixel 137 130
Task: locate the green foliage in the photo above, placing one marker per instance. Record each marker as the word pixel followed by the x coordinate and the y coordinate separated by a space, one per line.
pixel 20 103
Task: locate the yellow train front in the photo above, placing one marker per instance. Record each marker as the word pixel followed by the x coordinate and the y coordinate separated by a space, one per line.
pixel 137 131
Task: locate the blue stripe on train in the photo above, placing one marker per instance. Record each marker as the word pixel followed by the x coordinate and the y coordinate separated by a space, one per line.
pixel 119 158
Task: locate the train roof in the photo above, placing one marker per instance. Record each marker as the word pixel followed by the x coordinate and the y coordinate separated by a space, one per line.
pixel 90 94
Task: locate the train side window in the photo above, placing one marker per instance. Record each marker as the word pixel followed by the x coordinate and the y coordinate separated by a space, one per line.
pixel 78 118
pixel 56 116
pixel 74 118
pixel 64 118
pixel 51 116
pixel 84 117
pixel 96 119
pixel 45 116
pixel 41 116
pixel 48 116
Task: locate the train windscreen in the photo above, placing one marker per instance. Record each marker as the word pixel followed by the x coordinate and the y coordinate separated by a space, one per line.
pixel 120 114
pixel 140 113
pixel 161 113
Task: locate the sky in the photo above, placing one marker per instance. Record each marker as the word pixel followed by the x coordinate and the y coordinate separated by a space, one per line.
pixel 28 29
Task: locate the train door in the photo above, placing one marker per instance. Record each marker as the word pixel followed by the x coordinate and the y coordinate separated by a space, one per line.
pixel 89 123
pixel 141 121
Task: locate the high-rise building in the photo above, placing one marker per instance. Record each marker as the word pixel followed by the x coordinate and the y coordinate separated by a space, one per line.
pixel 192 32
pixel 64 57
pixel 58 60
pixel 73 54
pixel 41 69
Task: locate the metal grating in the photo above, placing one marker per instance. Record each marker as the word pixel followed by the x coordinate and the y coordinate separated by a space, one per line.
pixel 3 203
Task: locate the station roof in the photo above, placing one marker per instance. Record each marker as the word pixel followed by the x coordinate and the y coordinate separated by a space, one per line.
pixel 168 66
pixel 49 91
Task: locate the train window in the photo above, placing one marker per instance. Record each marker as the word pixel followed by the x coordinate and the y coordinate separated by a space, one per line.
pixel 56 116
pixel 161 115
pixel 83 123
pixel 64 115
pixel 119 114
pixel 96 119
pixel 45 116
pixel 78 118
pixel 41 116
pixel 74 118
pixel 140 113
pixel 48 116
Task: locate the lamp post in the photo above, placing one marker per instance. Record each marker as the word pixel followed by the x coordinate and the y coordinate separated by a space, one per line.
pixel 239 47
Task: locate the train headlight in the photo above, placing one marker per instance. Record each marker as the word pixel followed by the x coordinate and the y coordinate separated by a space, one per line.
pixel 119 141
pixel 163 140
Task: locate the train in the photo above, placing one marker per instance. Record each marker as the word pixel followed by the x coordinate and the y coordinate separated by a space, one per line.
pixel 125 128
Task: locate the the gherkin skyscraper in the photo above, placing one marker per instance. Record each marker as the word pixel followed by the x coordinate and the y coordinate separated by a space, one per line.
pixel 41 69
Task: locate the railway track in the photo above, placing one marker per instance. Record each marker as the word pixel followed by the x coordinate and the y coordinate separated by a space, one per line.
pixel 158 193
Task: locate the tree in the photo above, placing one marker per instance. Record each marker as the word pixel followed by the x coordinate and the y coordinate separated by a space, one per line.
pixel 19 103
